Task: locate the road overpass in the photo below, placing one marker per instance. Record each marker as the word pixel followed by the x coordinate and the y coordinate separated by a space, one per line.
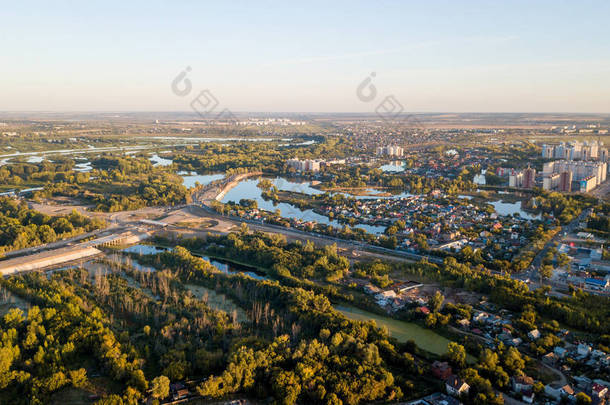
pixel 49 258
pixel 68 253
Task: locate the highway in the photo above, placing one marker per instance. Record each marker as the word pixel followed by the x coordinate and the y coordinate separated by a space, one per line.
pixel 203 196
pixel 364 249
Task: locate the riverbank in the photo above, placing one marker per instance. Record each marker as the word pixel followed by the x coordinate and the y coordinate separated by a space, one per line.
pixel 358 191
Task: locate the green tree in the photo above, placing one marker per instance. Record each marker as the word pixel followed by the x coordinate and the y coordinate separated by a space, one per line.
pixel 435 302
pixel 513 361
pixel 456 353
pixel 546 271
pixel 78 378
pixel 583 399
pixel 160 387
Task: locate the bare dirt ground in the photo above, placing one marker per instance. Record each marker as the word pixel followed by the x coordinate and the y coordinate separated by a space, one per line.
pixel 61 206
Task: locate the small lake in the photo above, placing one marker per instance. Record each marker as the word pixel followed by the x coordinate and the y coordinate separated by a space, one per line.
pixel 189 179
pixel 400 330
pixel 217 301
pixel 508 208
pixel 159 161
pixel 8 301
pixel 83 166
pixel 393 167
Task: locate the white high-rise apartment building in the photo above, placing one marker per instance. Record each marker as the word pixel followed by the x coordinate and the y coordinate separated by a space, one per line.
pixel 390 151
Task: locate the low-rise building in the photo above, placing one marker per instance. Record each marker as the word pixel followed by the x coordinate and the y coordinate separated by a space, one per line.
pixel 550 359
pixel 583 350
pixel 560 352
pixel 528 396
pixel 522 383
pixel 464 323
pixel 598 390
pixel 556 392
pixel 534 334
pixel 441 370
pixel 385 296
pixel 438 398
pixel 456 387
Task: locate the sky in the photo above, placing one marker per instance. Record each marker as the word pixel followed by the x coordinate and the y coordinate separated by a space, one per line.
pixel 305 56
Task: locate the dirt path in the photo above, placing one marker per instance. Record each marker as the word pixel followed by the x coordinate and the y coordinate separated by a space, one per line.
pixel 562 380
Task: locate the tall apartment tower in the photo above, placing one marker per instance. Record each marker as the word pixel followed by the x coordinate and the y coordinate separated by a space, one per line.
pixel 529 178
pixel 565 181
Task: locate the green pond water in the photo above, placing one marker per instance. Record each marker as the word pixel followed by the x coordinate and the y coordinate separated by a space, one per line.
pixel 217 301
pixel 400 330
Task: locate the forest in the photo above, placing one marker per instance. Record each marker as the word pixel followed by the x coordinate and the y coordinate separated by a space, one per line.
pixel 22 227
pixel 120 183
pixel 125 334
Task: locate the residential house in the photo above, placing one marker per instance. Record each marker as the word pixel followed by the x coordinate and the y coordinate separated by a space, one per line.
pixel 582 382
pixel 441 370
pixel 597 353
pixel 533 334
pixel 385 296
pixel 528 396
pixel 371 289
pixel 423 310
pixel 566 391
pixel 480 316
pixel 464 323
pixel 598 390
pixel 522 383
pixel 583 350
pixel 550 359
pixel 516 342
pixel 559 392
pixel 438 398
pixel 560 352
pixel 178 391
pixel 455 386
pixel 405 286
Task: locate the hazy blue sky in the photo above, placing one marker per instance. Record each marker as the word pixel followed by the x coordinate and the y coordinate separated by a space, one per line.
pixel 306 55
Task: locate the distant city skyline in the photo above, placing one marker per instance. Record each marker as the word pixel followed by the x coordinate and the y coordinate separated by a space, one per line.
pixel 438 56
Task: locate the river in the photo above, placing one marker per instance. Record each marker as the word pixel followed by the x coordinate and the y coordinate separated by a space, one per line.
pixel 248 189
pixel 222 265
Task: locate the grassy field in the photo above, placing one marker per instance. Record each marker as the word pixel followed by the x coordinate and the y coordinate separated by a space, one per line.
pixel 400 330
